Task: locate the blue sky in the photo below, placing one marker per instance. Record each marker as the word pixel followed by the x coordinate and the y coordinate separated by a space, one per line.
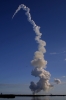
pixel 17 44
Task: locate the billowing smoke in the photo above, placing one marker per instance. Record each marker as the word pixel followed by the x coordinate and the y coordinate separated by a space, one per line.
pixel 57 81
pixel 38 61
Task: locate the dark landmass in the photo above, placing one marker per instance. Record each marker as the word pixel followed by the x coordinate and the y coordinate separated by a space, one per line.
pixel 24 95
pixel 7 96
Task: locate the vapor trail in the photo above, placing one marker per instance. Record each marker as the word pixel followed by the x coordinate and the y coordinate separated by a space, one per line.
pixel 38 62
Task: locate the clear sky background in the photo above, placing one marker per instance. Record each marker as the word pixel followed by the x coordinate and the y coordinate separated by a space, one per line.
pixel 17 44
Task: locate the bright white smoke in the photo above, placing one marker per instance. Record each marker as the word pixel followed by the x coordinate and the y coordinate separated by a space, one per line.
pixel 57 81
pixel 38 62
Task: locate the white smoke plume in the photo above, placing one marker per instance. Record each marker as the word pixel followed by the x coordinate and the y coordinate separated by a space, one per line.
pixel 38 62
pixel 57 81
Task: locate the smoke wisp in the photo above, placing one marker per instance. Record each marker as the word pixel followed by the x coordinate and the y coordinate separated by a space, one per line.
pixel 38 61
pixel 57 81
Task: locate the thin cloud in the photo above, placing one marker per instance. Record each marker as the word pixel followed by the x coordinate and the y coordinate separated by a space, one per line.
pixel 63 82
pixel 63 76
pixel 65 59
pixel 54 53
pixel 54 83
pixel 64 51
pixel 12 85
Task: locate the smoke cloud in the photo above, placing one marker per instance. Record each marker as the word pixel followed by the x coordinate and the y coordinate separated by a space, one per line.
pixel 57 81
pixel 38 61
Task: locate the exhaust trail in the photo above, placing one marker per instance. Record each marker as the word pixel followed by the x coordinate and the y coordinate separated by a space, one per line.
pixel 38 61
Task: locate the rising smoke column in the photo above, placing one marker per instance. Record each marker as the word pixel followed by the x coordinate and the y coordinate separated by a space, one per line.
pixel 38 61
